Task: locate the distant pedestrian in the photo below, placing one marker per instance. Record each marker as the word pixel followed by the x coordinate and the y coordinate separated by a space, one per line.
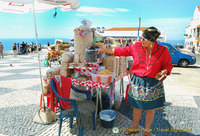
pixel 18 48
pixel 193 49
pixel 35 47
pixel 199 50
pixel 23 48
pixel 26 48
pixel 40 47
pixel 32 48
pixel 1 49
pixel 48 44
pixel 14 48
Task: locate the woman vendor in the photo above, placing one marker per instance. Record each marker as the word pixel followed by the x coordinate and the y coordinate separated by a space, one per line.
pixel 152 64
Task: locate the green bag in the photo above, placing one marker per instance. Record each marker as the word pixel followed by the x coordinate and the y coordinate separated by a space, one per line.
pixel 47 63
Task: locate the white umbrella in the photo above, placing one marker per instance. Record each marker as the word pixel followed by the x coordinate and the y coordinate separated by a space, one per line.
pixel 25 6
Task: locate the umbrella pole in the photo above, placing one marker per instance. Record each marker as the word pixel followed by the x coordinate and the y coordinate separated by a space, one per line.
pixel 36 36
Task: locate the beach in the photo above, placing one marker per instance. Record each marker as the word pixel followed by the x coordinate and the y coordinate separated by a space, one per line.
pixel 20 92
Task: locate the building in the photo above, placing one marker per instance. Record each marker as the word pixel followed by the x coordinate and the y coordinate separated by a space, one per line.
pixel 192 31
pixel 128 33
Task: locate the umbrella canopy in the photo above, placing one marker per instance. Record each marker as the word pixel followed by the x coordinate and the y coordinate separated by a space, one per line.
pixel 25 6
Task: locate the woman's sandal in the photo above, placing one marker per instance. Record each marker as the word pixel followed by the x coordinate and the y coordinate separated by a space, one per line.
pixel 130 131
pixel 147 134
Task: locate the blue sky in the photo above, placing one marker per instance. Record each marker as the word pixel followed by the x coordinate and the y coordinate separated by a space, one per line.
pixel 171 16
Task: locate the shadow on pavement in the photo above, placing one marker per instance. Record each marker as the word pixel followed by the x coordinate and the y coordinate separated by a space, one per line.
pixel 190 66
pixel 17 71
pixel 6 90
pixel 17 77
pixel 174 73
pixel 193 66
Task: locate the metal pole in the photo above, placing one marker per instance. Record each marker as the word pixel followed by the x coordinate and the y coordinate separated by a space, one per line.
pixel 36 36
pixel 138 29
pixel 100 99
pixel 97 100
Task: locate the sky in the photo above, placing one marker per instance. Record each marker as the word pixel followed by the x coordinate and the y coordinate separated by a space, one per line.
pixel 171 16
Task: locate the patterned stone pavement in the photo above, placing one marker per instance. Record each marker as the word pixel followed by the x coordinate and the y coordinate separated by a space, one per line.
pixel 20 94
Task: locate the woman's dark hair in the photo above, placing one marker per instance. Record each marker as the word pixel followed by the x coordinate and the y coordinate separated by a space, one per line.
pixel 151 33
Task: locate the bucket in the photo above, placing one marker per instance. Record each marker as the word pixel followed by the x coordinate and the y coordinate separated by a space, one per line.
pixel 107 118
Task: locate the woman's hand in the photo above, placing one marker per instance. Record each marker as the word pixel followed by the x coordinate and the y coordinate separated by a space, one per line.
pixel 101 51
pixel 107 51
pixel 161 75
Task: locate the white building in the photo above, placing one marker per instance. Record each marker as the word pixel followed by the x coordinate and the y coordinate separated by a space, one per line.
pixel 192 31
pixel 129 33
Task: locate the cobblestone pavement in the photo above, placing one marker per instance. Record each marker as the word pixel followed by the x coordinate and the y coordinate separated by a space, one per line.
pixel 20 94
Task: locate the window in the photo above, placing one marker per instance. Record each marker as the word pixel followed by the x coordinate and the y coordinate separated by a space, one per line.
pixel 170 49
pixel 194 32
pixel 198 31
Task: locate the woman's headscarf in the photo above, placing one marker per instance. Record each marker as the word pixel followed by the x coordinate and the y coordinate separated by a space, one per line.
pixel 151 33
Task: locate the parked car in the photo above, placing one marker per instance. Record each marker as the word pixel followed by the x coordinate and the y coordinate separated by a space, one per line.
pixel 176 46
pixel 178 58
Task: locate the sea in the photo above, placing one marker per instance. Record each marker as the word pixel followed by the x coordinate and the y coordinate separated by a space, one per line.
pixel 8 42
pixel 175 42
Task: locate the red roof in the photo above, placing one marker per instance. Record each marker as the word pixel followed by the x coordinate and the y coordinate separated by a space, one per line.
pixel 187 26
pixel 125 29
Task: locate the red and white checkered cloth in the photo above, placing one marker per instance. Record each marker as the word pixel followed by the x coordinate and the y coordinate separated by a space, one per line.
pixel 92 64
pixel 85 70
pixel 89 83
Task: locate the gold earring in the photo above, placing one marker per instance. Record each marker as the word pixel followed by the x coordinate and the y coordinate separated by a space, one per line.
pixel 151 45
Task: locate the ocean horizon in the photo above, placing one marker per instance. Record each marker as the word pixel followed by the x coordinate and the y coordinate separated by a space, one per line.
pixel 175 42
pixel 8 42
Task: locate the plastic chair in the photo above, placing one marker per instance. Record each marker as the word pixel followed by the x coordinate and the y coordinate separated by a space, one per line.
pixel 48 102
pixel 75 112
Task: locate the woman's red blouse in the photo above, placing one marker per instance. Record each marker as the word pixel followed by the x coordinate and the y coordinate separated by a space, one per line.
pixel 160 59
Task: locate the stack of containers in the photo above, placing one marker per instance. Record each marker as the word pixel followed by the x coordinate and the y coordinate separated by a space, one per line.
pixel 67 58
pixel 51 72
pixel 83 39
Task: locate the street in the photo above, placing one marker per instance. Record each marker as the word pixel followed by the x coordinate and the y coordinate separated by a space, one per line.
pixel 198 59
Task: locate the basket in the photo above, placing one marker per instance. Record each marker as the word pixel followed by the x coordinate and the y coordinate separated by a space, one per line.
pixel 107 79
